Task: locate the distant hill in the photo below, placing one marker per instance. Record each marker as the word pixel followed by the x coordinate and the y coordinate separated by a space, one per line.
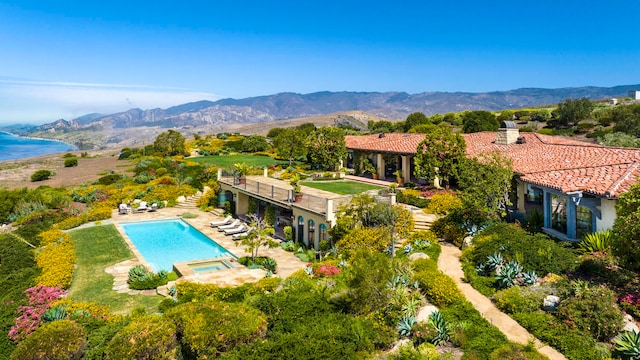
pixel 226 114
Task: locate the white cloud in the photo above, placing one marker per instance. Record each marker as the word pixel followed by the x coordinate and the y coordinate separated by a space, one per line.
pixel 40 102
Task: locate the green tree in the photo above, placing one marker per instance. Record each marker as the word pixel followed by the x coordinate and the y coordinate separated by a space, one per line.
pixel 273 132
pixel 254 143
pixel 290 144
pixel 626 228
pixel 169 143
pixel 479 120
pixel 416 118
pixel 306 128
pixel 486 182
pixel 258 236
pixel 619 139
pixel 572 111
pixel 326 147
pixel 367 277
pixel 438 155
pixel 627 119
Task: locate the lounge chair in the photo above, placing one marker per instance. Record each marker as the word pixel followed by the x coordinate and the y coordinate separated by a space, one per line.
pixel 123 209
pixel 242 234
pixel 142 207
pixel 224 222
pixel 153 207
pixel 237 230
pixel 234 224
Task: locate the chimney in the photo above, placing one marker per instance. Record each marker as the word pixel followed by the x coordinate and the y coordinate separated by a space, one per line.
pixel 507 134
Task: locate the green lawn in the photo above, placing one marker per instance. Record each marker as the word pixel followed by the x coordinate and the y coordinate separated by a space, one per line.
pixel 228 160
pixel 342 187
pixel 96 248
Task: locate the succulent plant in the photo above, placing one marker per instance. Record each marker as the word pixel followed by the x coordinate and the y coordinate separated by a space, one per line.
pixel 405 326
pixel 508 274
pixel 422 244
pixel 308 270
pixel 628 344
pixel 270 264
pixel 343 263
pixel 408 249
pixel 173 291
pixel 441 326
pixel 529 277
pixel 481 269
pixel 137 273
pixel 494 261
pixel 57 312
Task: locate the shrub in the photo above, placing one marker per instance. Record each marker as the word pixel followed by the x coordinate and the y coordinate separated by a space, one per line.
pixel 109 179
pixel 372 239
pixel 443 203
pixel 515 352
pixel 30 316
pixel 61 339
pixel 518 299
pixel 188 290
pixel 56 258
pixel 438 287
pixel 412 197
pixel 141 278
pixel 146 337
pixel 209 328
pixel 99 338
pixel 447 230
pixel 593 310
pixel 41 175
pixel 68 155
pixel 71 162
pixel 601 241
pixel 425 241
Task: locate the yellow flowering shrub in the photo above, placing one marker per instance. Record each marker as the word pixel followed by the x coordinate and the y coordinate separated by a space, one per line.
pixel 443 203
pixel 87 307
pixel 412 192
pixel 439 288
pixel 56 257
pixel 101 212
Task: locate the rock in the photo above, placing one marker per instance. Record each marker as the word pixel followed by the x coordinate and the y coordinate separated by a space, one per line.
pixel 629 324
pixel 399 344
pixel 468 241
pixel 424 312
pixel 418 255
pixel 181 199
pixel 550 303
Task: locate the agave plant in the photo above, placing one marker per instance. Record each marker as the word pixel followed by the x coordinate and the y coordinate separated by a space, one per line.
pixel 137 273
pixel 494 261
pixel 405 326
pixel 628 344
pixel 57 312
pixel 422 244
pixel 308 270
pixel 343 263
pixel 508 274
pixel 441 326
pixel 596 242
pixel 270 264
pixel 529 277
pixel 408 249
pixel 268 274
pixel 411 306
pixel 173 291
pixel 481 269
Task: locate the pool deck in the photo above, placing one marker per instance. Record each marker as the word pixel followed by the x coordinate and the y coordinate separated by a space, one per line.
pixel 287 262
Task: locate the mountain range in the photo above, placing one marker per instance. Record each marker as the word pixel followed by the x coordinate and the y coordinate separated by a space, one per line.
pixel 389 105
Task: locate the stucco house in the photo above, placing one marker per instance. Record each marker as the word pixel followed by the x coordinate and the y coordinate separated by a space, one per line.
pixel 575 184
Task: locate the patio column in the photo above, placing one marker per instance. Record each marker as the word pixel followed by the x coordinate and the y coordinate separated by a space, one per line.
pixel 380 165
pixel 571 217
pixel 406 168
pixel 546 203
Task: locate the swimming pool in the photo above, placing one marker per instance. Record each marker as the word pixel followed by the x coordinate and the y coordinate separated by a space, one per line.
pixel 164 242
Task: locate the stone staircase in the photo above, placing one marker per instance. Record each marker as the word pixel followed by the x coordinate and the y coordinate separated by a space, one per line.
pixel 422 220
pixel 190 202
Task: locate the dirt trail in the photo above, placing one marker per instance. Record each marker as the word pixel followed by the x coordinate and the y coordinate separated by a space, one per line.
pixel 449 263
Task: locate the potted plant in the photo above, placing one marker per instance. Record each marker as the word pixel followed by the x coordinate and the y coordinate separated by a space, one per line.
pixel 295 184
pixel 242 169
pixel 398 174
pixel 369 168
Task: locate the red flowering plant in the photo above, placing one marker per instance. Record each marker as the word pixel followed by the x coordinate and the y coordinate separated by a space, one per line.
pixel 630 303
pixel 40 299
pixel 325 269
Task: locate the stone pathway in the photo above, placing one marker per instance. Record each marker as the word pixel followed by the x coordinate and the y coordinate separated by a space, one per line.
pixel 449 263
pixel 120 272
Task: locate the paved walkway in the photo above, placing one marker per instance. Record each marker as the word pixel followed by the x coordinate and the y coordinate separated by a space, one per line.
pixel 449 263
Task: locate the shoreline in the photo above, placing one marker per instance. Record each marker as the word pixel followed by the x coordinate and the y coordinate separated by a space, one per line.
pixel 38 138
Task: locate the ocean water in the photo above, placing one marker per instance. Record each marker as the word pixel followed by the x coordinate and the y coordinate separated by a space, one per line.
pixel 15 147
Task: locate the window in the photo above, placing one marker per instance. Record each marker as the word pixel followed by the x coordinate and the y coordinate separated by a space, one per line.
pixel 534 195
pixel 584 221
pixel 323 232
pixel 312 230
pixel 559 213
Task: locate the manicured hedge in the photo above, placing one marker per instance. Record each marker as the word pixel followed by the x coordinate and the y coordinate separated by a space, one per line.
pixel 189 290
pixel 56 256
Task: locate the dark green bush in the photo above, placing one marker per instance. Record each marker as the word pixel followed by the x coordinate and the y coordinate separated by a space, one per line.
pixel 62 339
pixel 486 285
pixel 534 252
pixel 146 337
pixel 448 230
pixel 109 179
pixel 99 338
pixel 208 328
pixel 411 199
pixel 41 175
pixel 515 352
pixel 70 162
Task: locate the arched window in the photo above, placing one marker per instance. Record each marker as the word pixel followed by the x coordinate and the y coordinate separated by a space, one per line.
pixel 300 229
pixel 323 232
pixel 312 231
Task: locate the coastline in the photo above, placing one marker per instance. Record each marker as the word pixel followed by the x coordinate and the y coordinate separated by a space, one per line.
pixel 39 138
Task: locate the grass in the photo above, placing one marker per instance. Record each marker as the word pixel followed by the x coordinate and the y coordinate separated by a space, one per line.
pixel 97 248
pixel 342 187
pixel 228 160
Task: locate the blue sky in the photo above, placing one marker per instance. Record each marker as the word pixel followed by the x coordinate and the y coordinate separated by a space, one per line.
pixel 60 59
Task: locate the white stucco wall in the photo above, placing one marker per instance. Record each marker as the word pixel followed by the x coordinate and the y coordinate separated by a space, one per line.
pixel 608 211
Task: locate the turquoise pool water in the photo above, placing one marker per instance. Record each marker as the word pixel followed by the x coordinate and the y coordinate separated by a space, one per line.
pixel 165 242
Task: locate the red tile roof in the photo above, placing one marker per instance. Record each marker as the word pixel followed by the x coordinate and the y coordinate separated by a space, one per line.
pixel 550 161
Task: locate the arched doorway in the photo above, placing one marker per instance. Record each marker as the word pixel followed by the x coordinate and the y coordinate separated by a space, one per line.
pixel 300 229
